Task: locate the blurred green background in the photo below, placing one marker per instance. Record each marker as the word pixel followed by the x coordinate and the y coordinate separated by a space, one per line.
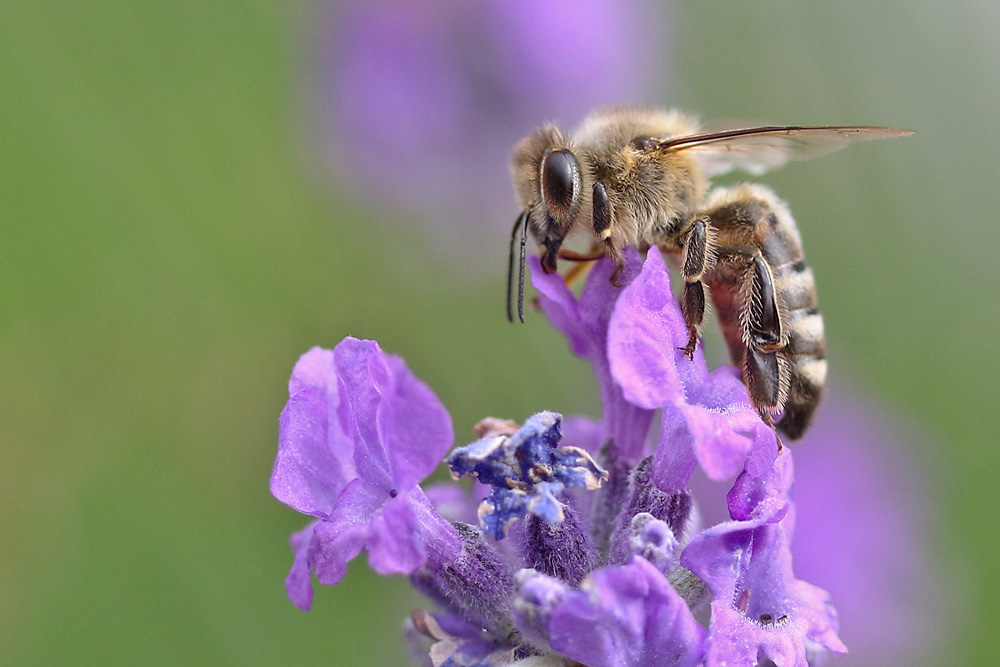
pixel 166 255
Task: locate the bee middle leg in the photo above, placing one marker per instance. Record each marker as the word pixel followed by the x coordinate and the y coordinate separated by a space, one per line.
pixel 698 257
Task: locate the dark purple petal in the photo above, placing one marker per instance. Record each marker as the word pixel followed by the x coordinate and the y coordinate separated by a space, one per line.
pixel 314 455
pixel 626 616
pixel 527 469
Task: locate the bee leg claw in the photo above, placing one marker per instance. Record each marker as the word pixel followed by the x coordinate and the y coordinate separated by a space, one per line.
pixel 691 346
pixel 615 276
pixel 768 419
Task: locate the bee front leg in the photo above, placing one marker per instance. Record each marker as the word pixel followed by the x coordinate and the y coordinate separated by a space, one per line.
pixel 603 219
pixel 698 256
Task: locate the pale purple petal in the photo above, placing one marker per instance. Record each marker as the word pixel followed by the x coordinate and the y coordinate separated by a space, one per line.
pixel 747 565
pixel 455 503
pixel 361 367
pixel 583 432
pixel 763 496
pixel 705 414
pixel 563 310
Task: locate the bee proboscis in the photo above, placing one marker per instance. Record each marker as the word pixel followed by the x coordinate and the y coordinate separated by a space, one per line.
pixel 640 178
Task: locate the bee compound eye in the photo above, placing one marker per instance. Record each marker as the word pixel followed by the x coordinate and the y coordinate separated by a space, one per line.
pixel 561 182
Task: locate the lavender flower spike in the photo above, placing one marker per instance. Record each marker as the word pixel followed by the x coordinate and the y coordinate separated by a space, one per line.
pixel 357 435
pixel 605 567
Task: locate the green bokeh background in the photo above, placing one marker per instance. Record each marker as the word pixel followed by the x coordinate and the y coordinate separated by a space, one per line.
pixel 165 256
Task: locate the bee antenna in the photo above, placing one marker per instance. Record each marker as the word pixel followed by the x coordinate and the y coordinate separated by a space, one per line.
pixel 518 224
pixel 520 275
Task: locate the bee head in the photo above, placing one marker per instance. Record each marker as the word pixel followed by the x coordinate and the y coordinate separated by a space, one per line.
pixel 561 183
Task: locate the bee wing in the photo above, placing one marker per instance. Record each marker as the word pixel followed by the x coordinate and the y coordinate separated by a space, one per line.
pixel 760 149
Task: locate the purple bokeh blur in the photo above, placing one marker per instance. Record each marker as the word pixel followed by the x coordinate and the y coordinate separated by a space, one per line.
pixel 865 531
pixel 417 104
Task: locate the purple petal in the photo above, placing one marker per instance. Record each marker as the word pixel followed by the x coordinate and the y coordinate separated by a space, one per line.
pixel 338 540
pixel 298 583
pixel 583 432
pixel 758 604
pixel 400 429
pixel 395 543
pixel 453 502
pixel 643 337
pixel 314 462
pixel 415 428
pixel 361 368
pixel 561 307
pixel 626 616
pixel 762 497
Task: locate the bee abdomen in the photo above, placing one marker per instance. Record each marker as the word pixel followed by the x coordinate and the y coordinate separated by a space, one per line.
pixel 804 347
pixel 806 378
pixel 766 265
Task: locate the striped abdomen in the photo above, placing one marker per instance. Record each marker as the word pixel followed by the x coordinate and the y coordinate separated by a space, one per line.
pixel 765 299
pixel 801 323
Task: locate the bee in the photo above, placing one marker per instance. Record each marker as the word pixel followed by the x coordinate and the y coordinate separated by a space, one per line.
pixel 640 178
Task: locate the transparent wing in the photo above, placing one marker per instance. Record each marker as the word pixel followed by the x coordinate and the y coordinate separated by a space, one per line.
pixel 760 149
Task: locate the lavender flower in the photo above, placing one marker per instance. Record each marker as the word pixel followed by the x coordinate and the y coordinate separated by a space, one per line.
pixel 606 564
pixel 418 101
pixel 357 435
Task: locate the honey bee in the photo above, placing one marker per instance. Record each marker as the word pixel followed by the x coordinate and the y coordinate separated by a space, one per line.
pixel 640 178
